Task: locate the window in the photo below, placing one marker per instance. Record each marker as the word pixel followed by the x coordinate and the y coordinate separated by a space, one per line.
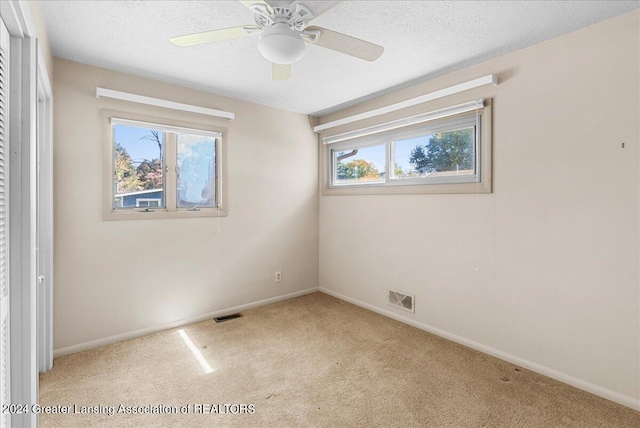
pixel 158 168
pixel 423 154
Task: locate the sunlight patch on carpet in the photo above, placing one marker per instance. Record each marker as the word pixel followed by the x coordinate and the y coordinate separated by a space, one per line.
pixel 196 352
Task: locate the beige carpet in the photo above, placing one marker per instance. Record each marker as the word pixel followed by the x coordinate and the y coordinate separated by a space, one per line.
pixel 313 361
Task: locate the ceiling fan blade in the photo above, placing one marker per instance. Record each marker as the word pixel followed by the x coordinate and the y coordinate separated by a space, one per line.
pixel 280 71
pixel 214 36
pixel 347 45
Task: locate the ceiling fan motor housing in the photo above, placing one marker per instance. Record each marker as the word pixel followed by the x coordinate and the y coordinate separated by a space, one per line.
pixel 281 45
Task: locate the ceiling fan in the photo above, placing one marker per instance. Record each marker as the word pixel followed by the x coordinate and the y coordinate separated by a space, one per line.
pixel 283 27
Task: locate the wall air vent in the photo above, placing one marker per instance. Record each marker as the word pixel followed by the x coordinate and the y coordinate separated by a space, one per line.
pixel 402 300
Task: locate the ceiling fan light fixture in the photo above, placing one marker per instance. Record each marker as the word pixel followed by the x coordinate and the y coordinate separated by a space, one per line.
pixel 281 45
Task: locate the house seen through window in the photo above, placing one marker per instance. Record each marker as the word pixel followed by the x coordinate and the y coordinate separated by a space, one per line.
pixel 138 167
pixel 163 168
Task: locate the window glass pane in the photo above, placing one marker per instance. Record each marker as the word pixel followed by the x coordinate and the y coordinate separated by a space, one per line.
pixel 196 171
pixel 138 166
pixel 443 154
pixel 362 165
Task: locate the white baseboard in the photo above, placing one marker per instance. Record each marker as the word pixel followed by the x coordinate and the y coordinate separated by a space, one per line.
pixel 616 397
pixel 149 330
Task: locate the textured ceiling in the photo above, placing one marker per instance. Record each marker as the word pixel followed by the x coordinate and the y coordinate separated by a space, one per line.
pixel 422 39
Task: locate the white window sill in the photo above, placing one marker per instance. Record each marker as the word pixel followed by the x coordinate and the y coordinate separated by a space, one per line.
pixel 155 213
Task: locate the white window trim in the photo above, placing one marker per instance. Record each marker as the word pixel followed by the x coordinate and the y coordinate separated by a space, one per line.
pixel 445 92
pixel 141 99
pixel 170 210
pixel 467 184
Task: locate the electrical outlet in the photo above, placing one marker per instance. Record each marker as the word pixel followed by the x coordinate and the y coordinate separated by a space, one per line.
pixel 278 276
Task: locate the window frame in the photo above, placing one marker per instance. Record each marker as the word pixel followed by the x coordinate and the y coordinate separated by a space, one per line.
pixel 417 185
pixel 170 209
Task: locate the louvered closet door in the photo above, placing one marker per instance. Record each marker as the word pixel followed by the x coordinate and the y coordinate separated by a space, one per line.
pixel 5 396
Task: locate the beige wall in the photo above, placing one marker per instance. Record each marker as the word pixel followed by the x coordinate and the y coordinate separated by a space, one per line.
pixel 116 277
pixel 543 271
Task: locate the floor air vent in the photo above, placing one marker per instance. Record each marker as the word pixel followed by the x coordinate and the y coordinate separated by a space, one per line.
pixel 227 318
pixel 402 300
